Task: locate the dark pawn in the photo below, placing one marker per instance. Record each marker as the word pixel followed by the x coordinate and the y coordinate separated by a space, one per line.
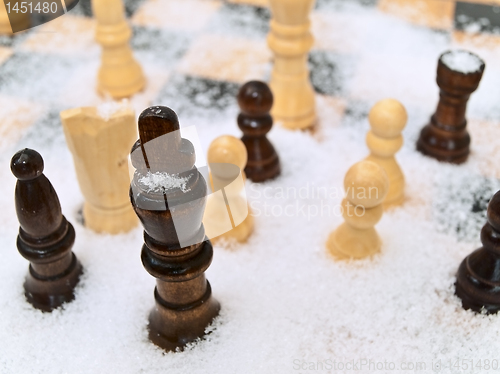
pixel 176 251
pixel 446 138
pixel 478 277
pixel 45 237
pixel 256 100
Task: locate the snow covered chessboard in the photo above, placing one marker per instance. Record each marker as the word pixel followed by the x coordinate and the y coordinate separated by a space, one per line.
pixel 287 307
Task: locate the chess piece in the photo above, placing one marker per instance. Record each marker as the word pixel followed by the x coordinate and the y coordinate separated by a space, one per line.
pixel 387 120
pixel 119 75
pixel 227 210
pixel 446 138
pixel 45 237
pixel 478 277
pixel 366 186
pixel 290 40
pixel 168 194
pixel 100 148
pixel 255 100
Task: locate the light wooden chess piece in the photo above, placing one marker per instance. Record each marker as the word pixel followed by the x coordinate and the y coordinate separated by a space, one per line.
pixel 226 151
pixel 120 75
pixel 387 120
pixel 290 40
pixel 100 148
pixel 366 186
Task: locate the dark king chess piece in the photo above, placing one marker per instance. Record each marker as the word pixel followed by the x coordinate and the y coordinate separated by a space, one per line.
pixel 256 100
pixel 446 138
pixel 478 277
pixel 45 237
pixel 168 194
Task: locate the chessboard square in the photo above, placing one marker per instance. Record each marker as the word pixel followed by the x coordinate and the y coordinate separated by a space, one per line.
pixel 16 117
pixel 477 17
pixel 329 72
pixel 241 20
pixel 195 96
pixel 84 7
pixel 154 44
pixel 258 3
pixel 39 77
pixel 437 14
pixel 339 5
pixel 467 40
pixel 233 59
pixel 5 53
pixel 65 35
pixel 188 15
pixel 330 29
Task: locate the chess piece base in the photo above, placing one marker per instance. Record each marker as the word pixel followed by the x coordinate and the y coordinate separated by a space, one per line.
pixel 444 146
pixel 263 171
pixel 171 327
pixel 476 292
pixel 110 81
pixel 349 243
pixel 111 221
pixel 296 123
pixel 48 294
pixel 240 233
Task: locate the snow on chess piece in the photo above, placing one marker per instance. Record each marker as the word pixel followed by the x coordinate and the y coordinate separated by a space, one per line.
pixel 168 194
pixel 446 138
pixel 45 237
pixel 478 277
pixel 366 185
pixel 256 100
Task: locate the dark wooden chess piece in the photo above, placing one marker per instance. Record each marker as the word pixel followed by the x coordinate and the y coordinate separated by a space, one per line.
pixel 446 138
pixel 45 237
pixel 256 100
pixel 176 250
pixel 478 277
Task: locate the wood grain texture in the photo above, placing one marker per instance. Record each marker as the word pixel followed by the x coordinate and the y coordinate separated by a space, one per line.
pixel 366 186
pixel 255 100
pixel 120 75
pixel 100 148
pixel 45 236
pixel 172 216
pixel 290 40
pixel 446 138
pixel 478 277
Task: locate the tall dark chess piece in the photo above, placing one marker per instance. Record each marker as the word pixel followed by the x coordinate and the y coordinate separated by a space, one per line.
pixel 168 194
pixel 256 100
pixel 478 277
pixel 45 237
pixel 446 138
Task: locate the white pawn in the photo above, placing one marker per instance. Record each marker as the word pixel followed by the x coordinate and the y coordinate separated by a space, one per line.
pixel 119 75
pixel 366 186
pixel 227 158
pixel 387 120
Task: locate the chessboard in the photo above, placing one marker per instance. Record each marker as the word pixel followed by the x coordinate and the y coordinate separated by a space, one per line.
pixel 287 306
